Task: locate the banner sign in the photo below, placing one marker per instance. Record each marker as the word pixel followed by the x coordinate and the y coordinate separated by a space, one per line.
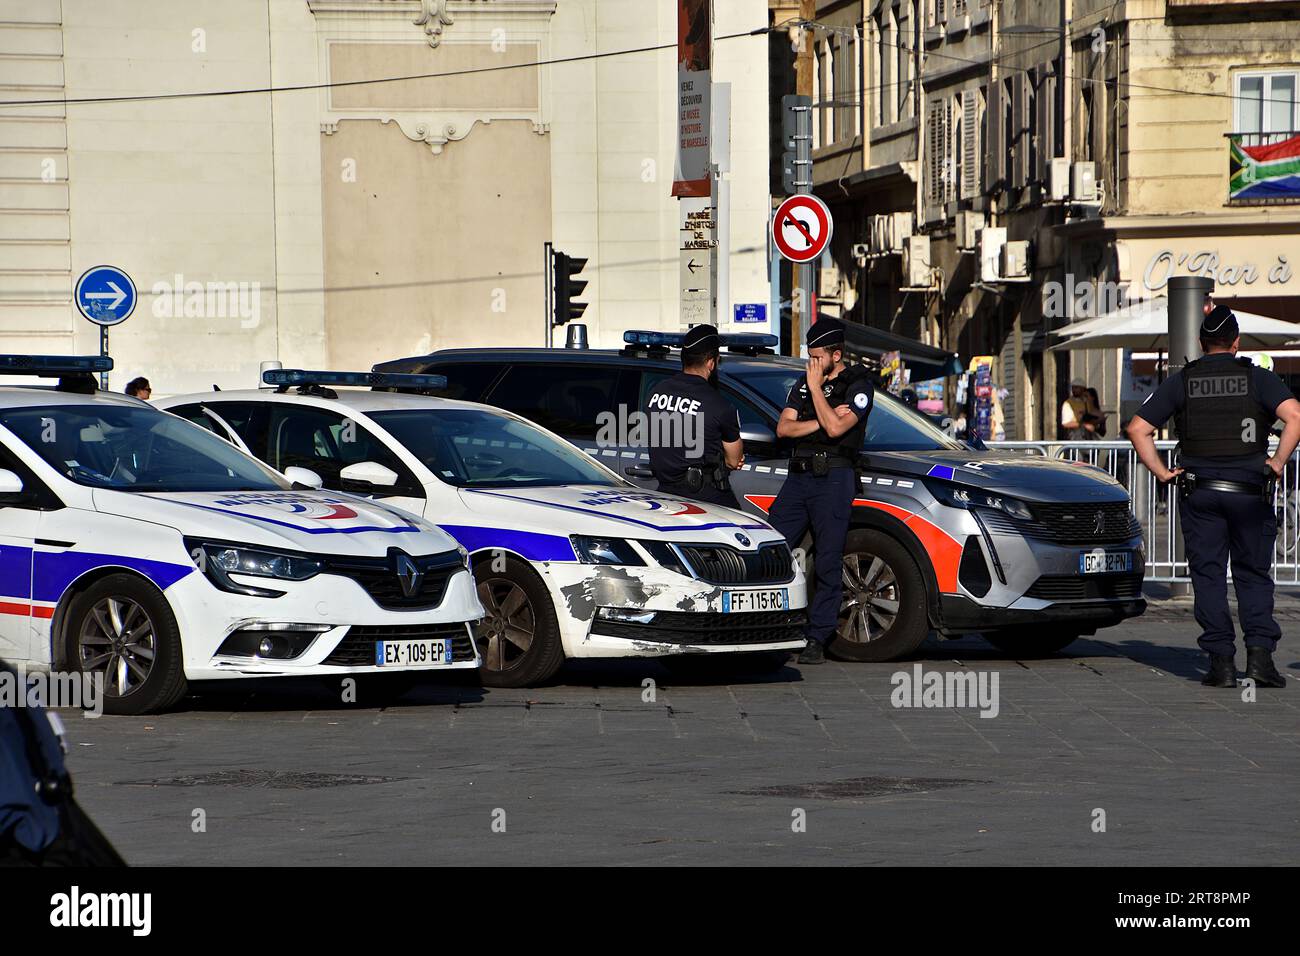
pixel 694 71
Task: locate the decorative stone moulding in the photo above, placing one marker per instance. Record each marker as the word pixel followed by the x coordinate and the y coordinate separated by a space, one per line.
pixel 437 24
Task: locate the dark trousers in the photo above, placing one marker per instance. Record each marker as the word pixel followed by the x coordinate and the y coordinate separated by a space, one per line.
pixel 1217 525
pixel 708 494
pixel 825 503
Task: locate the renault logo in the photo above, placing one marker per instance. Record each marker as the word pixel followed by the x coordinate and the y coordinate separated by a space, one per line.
pixel 408 575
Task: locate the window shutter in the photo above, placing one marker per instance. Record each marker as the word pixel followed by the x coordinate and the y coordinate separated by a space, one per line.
pixel 1017 147
pixel 995 149
pixel 969 145
pixel 1042 122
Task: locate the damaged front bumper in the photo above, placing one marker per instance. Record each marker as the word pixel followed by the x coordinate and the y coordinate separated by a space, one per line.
pixel 652 612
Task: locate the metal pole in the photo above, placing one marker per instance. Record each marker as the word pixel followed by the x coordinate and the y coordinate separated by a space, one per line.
pixel 103 350
pixel 547 292
pixel 1186 310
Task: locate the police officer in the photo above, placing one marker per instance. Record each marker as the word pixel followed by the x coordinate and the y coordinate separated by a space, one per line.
pixel 1223 409
pixel 695 431
pixel 826 417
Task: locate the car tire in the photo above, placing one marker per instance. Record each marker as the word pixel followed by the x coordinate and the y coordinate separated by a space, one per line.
pixel 519 609
pixel 134 625
pixel 883 612
pixel 1031 642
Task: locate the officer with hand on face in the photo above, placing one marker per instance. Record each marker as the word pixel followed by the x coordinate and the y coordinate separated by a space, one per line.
pixel 826 417
pixel 703 427
pixel 1223 409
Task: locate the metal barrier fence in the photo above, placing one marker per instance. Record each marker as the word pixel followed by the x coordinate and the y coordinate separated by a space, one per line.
pixel 1156 506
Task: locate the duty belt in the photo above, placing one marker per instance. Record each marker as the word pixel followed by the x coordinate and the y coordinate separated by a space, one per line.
pixel 1189 482
pixel 819 463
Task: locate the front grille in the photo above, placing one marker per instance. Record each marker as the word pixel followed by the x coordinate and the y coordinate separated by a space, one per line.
pixel 722 564
pixel 689 627
pixel 1079 587
pixel 357 649
pixel 1070 523
pixel 379 578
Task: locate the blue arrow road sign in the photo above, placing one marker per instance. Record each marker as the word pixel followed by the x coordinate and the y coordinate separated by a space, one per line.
pixel 105 295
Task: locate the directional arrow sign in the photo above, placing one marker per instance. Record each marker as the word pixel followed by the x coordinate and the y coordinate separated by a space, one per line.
pixel 105 295
pixel 693 265
pixel 801 228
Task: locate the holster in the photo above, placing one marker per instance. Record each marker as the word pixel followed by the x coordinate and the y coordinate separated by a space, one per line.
pixel 1186 485
pixel 694 479
pixel 819 464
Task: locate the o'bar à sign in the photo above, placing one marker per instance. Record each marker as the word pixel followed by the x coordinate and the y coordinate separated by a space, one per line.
pixel 1239 265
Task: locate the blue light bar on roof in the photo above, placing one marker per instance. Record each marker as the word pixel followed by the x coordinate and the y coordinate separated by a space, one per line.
pixel 674 340
pixel 49 366
pixel 288 377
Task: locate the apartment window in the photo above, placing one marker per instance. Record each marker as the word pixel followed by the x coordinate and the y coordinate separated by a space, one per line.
pixel 885 59
pixel 1266 102
pixel 902 50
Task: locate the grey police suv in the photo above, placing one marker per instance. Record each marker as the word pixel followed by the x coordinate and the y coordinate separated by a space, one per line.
pixel 1028 551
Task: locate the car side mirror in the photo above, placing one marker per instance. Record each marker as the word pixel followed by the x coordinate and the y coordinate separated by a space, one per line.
pixel 10 484
pixel 370 473
pixel 303 477
pixel 639 471
pixel 758 435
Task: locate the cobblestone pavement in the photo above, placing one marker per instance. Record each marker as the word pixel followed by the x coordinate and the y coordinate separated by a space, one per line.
pixel 723 769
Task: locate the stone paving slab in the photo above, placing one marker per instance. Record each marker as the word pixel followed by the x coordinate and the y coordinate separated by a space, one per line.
pixel 717 771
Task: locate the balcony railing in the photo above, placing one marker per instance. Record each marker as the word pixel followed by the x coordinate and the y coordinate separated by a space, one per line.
pixel 1264 168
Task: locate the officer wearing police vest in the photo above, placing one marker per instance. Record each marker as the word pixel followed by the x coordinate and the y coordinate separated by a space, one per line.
pixel 703 427
pixel 826 417
pixel 1223 409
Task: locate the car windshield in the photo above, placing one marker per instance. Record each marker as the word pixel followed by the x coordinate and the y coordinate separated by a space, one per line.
pixel 478 448
pixel 892 426
pixel 130 448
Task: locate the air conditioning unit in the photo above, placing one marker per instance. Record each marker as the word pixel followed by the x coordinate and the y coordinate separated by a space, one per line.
pixel 878 244
pixel 1015 260
pixel 1083 182
pixel 900 228
pixel 861 250
pixel 916 262
pixel 990 241
pixel 969 223
pixel 1058 180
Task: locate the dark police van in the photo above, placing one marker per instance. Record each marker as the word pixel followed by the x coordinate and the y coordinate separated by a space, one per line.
pixel 1028 551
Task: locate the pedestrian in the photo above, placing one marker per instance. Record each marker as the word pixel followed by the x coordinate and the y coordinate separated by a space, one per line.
pixel 1074 414
pixel 825 416
pixel 139 388
pixel 1223 409
pixel 695 432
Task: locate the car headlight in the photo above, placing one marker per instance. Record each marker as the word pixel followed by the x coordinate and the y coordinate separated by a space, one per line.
pixel 218 560
pixel 591 550
pixel 667 557
pixel 962 496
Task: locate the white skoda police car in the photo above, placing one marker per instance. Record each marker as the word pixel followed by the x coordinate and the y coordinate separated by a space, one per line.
pixel 135 545
pixel 571 560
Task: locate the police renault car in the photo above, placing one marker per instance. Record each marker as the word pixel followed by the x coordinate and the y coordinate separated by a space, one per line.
pixel 139 547
pixel 571 560
pixel 1030 552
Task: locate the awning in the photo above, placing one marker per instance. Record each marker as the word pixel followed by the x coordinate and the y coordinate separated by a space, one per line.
pixel 925 361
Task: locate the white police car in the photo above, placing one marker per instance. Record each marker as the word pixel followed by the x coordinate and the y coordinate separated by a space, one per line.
pixel 571 559
pixel 138 546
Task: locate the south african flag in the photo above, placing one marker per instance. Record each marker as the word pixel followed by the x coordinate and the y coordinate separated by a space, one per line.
pixel 1265 172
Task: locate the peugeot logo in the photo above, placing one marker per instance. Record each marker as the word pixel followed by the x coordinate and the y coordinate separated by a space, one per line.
pixel 408 575
pixel 744 541
pixel 1099 523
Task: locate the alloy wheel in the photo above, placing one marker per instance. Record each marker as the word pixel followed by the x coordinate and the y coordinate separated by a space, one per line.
pixel 870 604
pixel 506 633
pixel 117 640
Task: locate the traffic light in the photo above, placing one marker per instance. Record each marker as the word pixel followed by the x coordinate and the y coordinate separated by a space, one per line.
pixel 796 143
pixel 568 287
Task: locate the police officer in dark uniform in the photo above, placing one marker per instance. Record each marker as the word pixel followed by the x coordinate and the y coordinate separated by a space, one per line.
pixel 826 417
pixel 695 431
pixel 1223 409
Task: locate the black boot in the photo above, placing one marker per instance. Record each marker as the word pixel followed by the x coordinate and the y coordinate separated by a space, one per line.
pixel 1223 672
pixel 1260 669
pixel 812 654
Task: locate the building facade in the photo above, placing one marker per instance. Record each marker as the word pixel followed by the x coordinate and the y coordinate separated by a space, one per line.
pixel 1019 165
pixel 340 220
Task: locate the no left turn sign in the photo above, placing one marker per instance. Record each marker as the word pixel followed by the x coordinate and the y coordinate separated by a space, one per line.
pixel 802 228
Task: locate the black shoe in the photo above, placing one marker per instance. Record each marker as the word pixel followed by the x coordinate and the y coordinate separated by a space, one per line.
pixel 1260 669
pixel 1223 672
pixel 812 654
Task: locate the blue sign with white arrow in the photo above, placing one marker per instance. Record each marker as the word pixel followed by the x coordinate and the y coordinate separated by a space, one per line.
pixel 105 295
